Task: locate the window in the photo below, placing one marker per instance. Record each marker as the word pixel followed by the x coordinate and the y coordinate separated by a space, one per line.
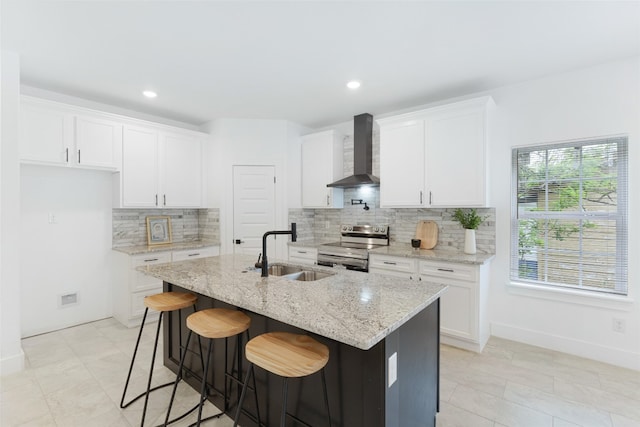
pixel 569 215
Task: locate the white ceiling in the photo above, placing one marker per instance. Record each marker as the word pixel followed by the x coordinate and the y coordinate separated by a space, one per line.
pixel 291 60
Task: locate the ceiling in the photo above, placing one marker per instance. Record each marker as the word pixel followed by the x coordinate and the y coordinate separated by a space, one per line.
pixel 292 59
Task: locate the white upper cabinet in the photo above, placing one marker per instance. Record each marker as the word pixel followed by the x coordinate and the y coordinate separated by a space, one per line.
pixel 98 142
pixel 46 133
pixel 435 157
pixel 182 170
pixel 402 171
pixel 322 155
pixel 160 169
pixel 140 171
pixel 57 134
pixel 455 161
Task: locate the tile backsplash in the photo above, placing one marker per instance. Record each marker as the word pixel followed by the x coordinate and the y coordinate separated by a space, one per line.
pixel 323 224
pixel 130 225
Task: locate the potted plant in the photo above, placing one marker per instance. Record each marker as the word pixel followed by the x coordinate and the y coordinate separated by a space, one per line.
pixel 470 220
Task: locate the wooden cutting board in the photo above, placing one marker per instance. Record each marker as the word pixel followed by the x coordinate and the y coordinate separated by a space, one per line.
pixel 427 232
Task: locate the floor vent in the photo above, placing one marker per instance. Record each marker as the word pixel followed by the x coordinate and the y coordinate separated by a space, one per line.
pixel 68 299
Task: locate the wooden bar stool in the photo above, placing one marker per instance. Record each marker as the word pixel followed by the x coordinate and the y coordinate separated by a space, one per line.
pixel 162 302
pixel 289 356
pixel 213 323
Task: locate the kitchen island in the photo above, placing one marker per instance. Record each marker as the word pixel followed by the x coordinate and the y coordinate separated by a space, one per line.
pixel 383 336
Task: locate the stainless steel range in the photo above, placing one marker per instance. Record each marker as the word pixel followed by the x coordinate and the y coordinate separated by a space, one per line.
pixel 352 251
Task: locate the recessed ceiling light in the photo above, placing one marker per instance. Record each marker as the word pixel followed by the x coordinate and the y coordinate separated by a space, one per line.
pixel 353 84
pixel 149 94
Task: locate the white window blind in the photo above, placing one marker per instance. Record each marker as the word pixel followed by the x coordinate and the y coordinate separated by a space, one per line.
pixel 569 215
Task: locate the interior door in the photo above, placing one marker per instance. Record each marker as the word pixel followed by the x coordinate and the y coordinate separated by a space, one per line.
pixel 253 208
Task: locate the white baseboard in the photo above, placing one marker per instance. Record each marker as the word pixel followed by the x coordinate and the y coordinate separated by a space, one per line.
pixel 588 350
pixel 13 364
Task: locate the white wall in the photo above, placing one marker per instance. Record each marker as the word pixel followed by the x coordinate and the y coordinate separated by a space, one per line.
pixel 598 101
pixel 250 142
pixel 11 355
pixel 72 255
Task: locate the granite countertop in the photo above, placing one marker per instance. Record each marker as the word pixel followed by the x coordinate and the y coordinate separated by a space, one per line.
pixel 144 249
pixel 355 308
pixel 433 254
pixel 405 250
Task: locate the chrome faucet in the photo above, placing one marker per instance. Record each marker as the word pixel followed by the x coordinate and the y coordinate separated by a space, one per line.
pixel 265 264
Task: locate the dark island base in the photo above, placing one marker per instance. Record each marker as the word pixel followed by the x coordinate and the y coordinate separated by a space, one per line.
pixel 356 379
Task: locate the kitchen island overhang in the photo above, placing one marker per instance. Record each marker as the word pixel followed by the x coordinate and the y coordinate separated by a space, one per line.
pixel 373 326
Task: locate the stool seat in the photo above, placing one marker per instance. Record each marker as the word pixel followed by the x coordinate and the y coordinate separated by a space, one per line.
pixel 218 322
pixel 169 301
pixel 213 323
pixel 286 354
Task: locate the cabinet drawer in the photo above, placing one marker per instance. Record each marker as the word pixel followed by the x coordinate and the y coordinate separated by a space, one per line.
pixel 398 264
pixel 304 253
pixel 393 273
pixel 449 270
pixel 196 253
pixel 140 281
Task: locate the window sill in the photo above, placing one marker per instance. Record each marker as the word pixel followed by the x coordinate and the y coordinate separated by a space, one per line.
pixel 611 302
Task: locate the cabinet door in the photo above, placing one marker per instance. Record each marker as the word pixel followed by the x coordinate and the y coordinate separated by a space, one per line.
pixel 181 172
pixel 46 134
pixel 402 164
pixel 140 167
pixel 458 309
pixel 320 166
pixel 455 164
pixel 97 142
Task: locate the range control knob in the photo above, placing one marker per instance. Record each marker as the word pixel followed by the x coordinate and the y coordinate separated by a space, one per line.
pixel 344 228
pixel 383 229
pixel 376 229
pixel 350 228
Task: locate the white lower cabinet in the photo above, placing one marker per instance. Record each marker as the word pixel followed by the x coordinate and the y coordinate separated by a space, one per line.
pixel 402 267
pixel 303 255
pixel 131 286
pixel 463 308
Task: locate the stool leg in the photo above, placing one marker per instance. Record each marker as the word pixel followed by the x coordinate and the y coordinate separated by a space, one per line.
pixel 203 390
pixel 326 395
pixel 153 360
pixel 133 359
pixel 178 377
pixel 242 395
pixel 283 414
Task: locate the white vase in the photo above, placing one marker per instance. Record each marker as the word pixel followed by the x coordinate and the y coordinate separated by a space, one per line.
pixel 469 241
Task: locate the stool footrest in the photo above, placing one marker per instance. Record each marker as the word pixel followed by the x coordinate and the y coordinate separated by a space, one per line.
pixel 144 393
pixel 187 414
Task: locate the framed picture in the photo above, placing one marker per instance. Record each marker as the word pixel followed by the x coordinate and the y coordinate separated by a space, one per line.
pixel 158 230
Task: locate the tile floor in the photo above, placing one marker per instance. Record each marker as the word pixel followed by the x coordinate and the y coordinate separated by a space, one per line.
pixel 74 377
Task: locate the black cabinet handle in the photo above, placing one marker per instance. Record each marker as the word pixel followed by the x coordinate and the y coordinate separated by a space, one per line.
pixel 151 260
pixel 66 151
pixel 193 254
pixel 389 263
pixel 448 270
pixel 78 156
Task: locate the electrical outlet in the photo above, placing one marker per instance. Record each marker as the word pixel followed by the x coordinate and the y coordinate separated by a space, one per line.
pixel 618 325
pixel 393 369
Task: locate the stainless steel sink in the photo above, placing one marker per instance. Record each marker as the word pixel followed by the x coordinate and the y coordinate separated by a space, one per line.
pixel 296 273
pixel 308 275
pixel 283 270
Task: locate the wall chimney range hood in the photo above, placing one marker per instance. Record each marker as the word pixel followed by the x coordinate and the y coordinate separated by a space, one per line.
pixel 362 155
